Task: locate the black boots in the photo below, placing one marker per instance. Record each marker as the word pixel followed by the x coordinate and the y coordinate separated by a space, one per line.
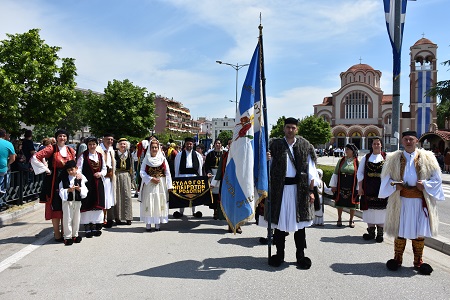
pixel 370 235
pixel 279 240
pixel 303 262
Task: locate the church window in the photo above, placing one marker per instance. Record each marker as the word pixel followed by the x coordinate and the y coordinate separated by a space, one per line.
pixel 356 105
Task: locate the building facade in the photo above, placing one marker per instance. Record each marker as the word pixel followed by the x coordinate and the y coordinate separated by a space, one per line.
pixel 360 110
pixel 171 115
pixel 221 124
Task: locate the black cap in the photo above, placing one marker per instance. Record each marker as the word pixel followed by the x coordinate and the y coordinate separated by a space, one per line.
pixel 188 139
pixel 70 164
pixel 409 133
pixel 291 121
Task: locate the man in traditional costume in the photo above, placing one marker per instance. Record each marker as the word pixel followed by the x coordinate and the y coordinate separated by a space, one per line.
pixel 411 178
pixel 107 151
pixel 188 163
pixel 293 174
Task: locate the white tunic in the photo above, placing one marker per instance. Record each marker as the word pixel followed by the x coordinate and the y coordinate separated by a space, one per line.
pixel 414 221
pixel 287 220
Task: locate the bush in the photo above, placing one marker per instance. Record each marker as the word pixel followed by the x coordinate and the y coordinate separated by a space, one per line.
pixel 327 173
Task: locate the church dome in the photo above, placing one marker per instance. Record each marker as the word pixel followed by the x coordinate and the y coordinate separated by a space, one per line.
pixel 424 41
pixel 360 67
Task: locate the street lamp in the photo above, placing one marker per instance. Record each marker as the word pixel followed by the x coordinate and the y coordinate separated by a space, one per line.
pixel 237 67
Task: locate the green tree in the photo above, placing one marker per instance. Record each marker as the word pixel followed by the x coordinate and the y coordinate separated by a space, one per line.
pixel 36 85
pixel 125 110
pixel 224 136
pixel 278 129
pixel 76 113
pixel 442 90
pixel 315 129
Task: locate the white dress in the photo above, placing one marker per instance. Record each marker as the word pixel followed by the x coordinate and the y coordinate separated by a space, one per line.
pixel 154 198
pixel 371 216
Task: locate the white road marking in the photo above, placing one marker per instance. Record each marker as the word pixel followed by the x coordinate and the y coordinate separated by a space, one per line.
pixel 24 252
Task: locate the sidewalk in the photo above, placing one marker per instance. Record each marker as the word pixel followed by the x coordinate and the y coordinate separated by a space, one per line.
pixel 439 243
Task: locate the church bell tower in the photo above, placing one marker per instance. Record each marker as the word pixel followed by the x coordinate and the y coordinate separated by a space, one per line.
pixel 423 75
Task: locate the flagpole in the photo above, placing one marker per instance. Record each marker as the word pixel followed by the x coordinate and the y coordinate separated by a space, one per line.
pixel 396 77
pixel 268 202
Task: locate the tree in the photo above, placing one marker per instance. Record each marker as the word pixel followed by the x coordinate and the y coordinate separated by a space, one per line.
pixel 442 89
pixel 224 136
pixel 315 129
pixel 36 85
pixel 125 110
pixel 278 129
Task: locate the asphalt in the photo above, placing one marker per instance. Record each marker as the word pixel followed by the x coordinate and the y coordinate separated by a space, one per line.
pixel 439 243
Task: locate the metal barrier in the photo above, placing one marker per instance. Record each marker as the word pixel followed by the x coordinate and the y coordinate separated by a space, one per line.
pixel 21 187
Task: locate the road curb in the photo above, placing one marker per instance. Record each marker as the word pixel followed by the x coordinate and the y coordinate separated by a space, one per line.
pixel 438 243
pixel 10 216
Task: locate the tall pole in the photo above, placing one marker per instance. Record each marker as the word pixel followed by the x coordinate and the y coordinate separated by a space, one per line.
pixel 237 67
pixel 396 78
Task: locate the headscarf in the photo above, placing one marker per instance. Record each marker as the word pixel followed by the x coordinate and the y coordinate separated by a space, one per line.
pixel 158 159
pixel 354 149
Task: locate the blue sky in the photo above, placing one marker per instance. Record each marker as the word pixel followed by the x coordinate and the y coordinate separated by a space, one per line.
pixel 170 46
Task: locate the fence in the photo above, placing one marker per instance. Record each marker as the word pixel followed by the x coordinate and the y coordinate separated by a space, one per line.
pixel 21 187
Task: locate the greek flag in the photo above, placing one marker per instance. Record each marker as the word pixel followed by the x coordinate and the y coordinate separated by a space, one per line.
pixel 389 10
pixel 245 181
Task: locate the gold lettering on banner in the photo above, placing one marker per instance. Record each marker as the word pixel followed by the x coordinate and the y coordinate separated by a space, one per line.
pixel 230 188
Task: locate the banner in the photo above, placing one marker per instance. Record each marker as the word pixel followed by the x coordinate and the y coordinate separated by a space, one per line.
pixel 245 181
pixel 190 191
pixel 389 10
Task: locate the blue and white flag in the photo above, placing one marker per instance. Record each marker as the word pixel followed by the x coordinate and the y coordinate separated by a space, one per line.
pixel 389 10
pixel 245 181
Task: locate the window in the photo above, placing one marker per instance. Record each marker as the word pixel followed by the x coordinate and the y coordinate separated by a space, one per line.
pixel 356 105
pixel 389 119
pixel 225 124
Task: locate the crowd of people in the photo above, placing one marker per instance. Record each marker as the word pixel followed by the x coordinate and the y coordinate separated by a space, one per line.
pixel 93 187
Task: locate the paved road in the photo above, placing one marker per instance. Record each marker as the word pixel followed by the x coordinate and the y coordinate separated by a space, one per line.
pixel 198 259
pixel 441 242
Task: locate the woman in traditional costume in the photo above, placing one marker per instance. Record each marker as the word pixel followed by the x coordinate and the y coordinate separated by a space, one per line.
pixel 92 165
pixel 123 209
pixel 344 182
pixel 156 183
pixel 374 208
pixel 56 156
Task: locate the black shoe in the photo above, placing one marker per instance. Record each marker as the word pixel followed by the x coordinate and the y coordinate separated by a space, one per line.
pixel 177 215
pixel 60 240
pixel 97 233
pixel 239 230
pixel 119 222
pixel 68 242
pixel 77 239
pixel 304 263
pixel 109 224
pixel 276 260
pixel 128 222
pixel 148 229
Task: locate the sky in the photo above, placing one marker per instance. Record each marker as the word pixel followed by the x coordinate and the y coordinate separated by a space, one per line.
pixel 171 47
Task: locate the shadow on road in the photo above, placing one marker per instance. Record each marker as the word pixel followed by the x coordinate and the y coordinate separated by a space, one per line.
pixel 375 269
pixel 209 269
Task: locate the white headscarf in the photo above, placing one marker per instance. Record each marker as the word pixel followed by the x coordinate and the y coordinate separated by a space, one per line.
pixel 154 161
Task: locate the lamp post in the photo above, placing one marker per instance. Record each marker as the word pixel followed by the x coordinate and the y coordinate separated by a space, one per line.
pixel 237 67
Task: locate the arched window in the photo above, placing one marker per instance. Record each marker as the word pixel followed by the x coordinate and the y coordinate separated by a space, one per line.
pixel 389 119
pixel 356 105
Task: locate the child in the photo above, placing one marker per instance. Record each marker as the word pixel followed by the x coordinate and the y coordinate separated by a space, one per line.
pixel 322 188
pixel 71 191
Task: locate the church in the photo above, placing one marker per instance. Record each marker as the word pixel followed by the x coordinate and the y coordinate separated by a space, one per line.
pixel 360 110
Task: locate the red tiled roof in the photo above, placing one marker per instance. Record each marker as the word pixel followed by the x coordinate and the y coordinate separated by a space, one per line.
pixel 360 67
pixel 424 41
pixel 387 99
